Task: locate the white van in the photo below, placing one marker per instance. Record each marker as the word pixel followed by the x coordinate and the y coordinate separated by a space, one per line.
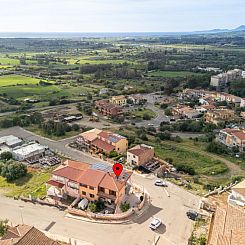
pixel 83 204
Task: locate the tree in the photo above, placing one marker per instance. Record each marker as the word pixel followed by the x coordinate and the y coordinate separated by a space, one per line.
pixel 14 171
pixel 6 156
pixel 146 116
pixel 3 226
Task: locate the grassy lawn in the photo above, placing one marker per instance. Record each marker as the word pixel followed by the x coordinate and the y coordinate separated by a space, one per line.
pixel 172 74
pixel 36 130
pixel 9 61
pixel 32 184
pixel 140 113
pixel 16 79
pixel 202 164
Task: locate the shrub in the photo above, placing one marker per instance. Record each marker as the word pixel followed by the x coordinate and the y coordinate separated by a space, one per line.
pixel 6 156
pixel 13 171
pixel 113 154
pixel 124 207
pixel 185 168
pixel 92 207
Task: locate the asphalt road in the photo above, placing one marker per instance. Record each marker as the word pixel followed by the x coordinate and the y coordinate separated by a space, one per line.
pixel 160 116
pixel 171 209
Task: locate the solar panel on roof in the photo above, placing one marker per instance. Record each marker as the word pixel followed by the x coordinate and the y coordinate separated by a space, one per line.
pixel 107 168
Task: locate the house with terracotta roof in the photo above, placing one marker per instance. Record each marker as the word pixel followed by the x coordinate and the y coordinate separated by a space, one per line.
pixel 107 108
pixel 99 141
pixel 232 137
pixel 140 154
pixel 228 223
pixel 25 235
pixel 93 182
pixel 217 116
pixel 119 100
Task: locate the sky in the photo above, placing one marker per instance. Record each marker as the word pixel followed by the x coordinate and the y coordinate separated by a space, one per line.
pixel 119 15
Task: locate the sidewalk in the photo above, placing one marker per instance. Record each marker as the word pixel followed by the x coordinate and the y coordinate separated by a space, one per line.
pixel 73 241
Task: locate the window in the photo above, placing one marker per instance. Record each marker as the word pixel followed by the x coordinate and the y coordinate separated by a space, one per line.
pixel 83 193
pixel 72 185
pixel 113 193
pixel 91 188
pixel 84 185
pixel 101 189
pixel 91 195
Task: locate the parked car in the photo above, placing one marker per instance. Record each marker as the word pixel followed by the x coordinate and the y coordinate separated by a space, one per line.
pixel 155 223
pixel 83 204
pixel 193 215
pixel 159 182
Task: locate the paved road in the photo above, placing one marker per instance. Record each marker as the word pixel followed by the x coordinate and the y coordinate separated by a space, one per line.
pixel 59 146
pixel 176 228
pixel 160 116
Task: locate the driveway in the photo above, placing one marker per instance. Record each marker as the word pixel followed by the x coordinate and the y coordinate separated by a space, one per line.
pixel 169 204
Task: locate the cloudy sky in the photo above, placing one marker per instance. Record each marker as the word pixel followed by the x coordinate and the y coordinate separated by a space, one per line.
pixel 119 15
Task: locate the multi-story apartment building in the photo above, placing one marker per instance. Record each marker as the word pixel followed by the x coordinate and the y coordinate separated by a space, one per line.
pixel 93 182
pixel 232 137
pixel 217 116
pixel 99 141
pixel 220 81
pixel 120 100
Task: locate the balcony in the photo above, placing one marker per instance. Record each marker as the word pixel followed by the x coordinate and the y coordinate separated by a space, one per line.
pixel 106 196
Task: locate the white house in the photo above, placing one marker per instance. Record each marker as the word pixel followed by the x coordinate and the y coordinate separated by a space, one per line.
pixel 237 196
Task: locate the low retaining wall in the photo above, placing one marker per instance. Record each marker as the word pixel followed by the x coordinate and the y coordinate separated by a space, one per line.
pixel 41 202
pixel 90 215
pixel 109 217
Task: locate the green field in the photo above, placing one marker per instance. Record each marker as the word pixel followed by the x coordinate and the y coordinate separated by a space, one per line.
pixel 10 80
pixel 32 184
pixel 173 74
pixel 140 113
pixel 8 61
pixel 95 62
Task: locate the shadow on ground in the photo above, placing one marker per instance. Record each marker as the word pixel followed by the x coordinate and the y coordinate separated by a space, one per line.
pixel 148 214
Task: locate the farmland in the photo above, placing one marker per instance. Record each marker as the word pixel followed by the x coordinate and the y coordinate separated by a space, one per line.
pixel 173 74
pixel 11 80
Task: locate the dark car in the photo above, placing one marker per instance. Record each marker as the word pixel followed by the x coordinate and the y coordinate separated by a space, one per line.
pixel 193 215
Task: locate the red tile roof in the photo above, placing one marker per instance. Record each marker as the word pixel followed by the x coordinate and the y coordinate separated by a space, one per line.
pixel 25 235
pixel 110 182
pixel 77 165
pixel 55 183
pixel 103 145
pixel 229 223
pixel 68 173
pixel 91 177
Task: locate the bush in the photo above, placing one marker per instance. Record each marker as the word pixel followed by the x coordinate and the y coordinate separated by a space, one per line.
pixel 113 154
pixel 217 148
pixel 185 168
pixel 13 171
pixel 124 207
pixel 92 207
pixel 6 156
pixel 146 116
pixel 3 227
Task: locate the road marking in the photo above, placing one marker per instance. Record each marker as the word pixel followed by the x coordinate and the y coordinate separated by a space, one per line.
pixel 167 193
